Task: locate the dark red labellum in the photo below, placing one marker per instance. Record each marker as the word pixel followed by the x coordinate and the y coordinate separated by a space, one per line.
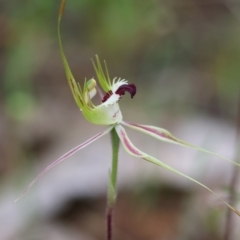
pixel 131 88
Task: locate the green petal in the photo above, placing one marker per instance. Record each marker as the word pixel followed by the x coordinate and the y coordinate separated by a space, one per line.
pixel 103 78
pixel 135 152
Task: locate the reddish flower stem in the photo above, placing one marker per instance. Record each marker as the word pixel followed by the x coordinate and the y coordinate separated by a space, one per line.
pixel 109 218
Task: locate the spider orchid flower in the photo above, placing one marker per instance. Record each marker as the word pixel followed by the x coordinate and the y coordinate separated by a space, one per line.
pixel 108 113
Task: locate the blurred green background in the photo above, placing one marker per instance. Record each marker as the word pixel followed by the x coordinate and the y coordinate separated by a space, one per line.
pixel 184 58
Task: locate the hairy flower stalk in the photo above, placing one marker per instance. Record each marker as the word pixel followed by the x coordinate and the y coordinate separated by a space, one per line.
pixel 108 113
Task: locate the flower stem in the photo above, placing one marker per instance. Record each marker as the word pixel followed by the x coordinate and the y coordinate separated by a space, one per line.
pixel 112 184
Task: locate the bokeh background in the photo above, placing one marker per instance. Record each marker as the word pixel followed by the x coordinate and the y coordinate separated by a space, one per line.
pixel 183 56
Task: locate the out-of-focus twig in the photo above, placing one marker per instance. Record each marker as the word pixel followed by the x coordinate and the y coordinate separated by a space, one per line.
pixel 229 224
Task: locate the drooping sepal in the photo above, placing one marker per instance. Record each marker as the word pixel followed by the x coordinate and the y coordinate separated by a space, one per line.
pixel 166 136
pixel 64 157
pixel 135 152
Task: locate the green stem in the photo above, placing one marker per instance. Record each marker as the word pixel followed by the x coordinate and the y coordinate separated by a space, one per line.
pixel 115 149
pixel 112 184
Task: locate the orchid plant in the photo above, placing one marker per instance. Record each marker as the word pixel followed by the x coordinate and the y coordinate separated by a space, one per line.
pixel 108 113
